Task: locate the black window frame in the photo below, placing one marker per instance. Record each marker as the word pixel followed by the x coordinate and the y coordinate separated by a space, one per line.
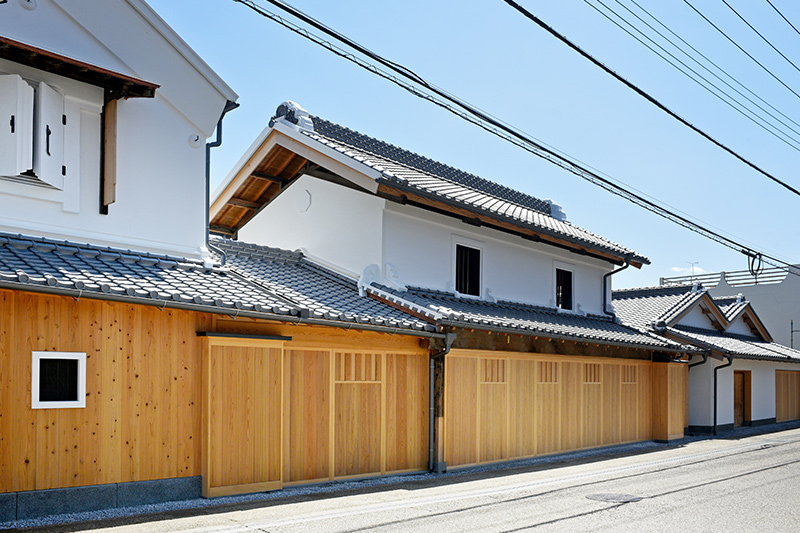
pixel 467 270
pixel 564 292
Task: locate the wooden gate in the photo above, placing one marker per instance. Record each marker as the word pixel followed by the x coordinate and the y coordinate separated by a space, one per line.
pixel 242 416
pixel 787 395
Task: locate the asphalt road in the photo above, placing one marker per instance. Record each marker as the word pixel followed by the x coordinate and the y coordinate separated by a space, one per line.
pixel 747 484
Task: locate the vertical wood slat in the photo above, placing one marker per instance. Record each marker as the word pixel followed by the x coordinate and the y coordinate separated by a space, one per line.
pixel 787 395
pixel 547 406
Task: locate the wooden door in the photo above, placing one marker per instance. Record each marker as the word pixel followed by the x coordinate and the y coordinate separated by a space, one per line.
pixel 738 398
pixel 787 395
pixel 242 416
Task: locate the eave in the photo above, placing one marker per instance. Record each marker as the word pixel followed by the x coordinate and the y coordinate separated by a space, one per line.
pixel 117 85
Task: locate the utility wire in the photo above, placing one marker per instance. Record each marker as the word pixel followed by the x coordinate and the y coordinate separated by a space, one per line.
pixel 784 18
pixel 723 71
pixel 737 45
pixel 488 123
pixel 643 94
pixel 760 35
pixel 731 101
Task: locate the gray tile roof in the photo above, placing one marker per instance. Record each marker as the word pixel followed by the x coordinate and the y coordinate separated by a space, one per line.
pixel 645 307
pixel 409 171
pixel 514 317
pixel 297 289
pixel 742 346
pixel 327 294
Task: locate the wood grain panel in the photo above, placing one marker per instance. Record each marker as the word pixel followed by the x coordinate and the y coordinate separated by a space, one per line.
pixel 570 406
pixel 548 407
pixel 787 395
pixel 612 408
pixel 493 421
pixel 307 424
pixel 357 441
pixel 461 412
pixel 522 407
pixel 142 414
pixel 407 386
pixel 243 411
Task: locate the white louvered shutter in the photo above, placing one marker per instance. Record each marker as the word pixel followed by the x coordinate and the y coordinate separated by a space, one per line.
pixel 49 142
pixel 16 125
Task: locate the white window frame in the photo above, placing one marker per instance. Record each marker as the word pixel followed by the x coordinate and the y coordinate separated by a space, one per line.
pixel 469 243
pixel 568 268
pixel 36 357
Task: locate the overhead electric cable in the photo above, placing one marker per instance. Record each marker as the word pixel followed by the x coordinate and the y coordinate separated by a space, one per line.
pixel 760 35
pixel 710 61
pixel 741 109
pixel 737 45
pixel 784 18
pixel 492 125
pixel 643 94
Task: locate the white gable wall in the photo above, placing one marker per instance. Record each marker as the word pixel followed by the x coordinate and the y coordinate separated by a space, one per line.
pixel 160 190
pixel 420 245
pixel 739 327
pixel 338 225
pixel 696 318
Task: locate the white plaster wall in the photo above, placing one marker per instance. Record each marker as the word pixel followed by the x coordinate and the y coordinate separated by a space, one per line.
pixel 775 304
pixel 420 245
pixel 339 225
pixel 701 379
pixel 762 376
pixel 739 327
pixel 160 203
pixel 696 318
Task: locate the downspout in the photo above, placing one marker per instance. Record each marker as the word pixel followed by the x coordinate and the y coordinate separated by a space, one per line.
pixel 605 283
pixel 448 343
pixel 729 363
pixel 229 106
pixel 698 363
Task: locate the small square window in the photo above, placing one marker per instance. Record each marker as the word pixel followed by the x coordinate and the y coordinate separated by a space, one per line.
pixel 563 289
pixel 58 380
pixel 468 270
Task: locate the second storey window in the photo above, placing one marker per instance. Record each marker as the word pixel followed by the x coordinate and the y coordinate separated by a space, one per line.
pixel 563 288
pixel 468 270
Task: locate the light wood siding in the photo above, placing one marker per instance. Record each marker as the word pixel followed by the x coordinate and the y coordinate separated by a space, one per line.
pixel 787 395
pixel 153 386
pixel 307 417
pixel 242 450
pixel 669 400
pixel 500 408
pixel 143 393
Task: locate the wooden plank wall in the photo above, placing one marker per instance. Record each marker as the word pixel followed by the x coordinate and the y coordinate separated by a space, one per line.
pixel 520 405
pixel 142 415
pixel 787 395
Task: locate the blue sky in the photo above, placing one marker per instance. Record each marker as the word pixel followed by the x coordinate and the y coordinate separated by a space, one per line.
pixel 489 55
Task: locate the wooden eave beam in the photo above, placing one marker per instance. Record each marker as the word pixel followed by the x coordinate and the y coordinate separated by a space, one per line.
pixel 116 84
pixel 475 218
pixel 269 177
pixel 244 203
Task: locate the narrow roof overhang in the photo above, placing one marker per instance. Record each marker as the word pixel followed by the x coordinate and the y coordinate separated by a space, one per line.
pixel 281 154
pixel 117 85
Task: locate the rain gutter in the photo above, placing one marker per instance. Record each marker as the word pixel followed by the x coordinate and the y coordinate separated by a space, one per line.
pixel 606 277
pixel 229 106
pixel 448 343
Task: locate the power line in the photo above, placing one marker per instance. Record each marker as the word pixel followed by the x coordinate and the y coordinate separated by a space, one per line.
pixel 723 71
pixel 643 94
pixel 469 113
pixel 737 45
pixel 784 18
pixel 743 109
pixel 760 35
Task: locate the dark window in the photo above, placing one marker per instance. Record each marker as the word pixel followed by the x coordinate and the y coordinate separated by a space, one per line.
pixel 58 380
pixel 468 270
pixel 563 289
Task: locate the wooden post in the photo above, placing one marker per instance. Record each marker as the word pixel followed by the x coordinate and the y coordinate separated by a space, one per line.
pixel 669 394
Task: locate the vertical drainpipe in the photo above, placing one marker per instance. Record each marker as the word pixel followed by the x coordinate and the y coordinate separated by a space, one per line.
pixel 448 343
pixel 716 369
pixel 605 283
pixel 229 106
